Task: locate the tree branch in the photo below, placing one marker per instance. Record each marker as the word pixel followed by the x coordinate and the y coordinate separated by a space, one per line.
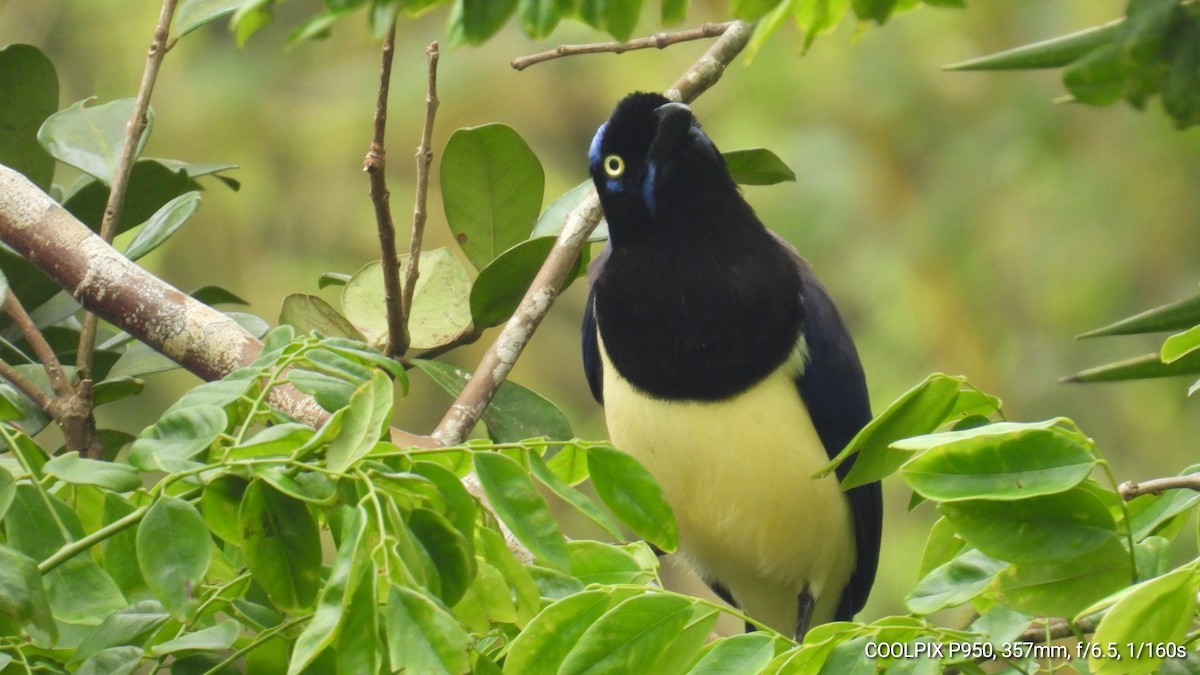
pixel 41 349
pixel 1130 489
pixel 190 333
pixel 656 41
pixel 424 160
pixel 35 394
pixel 374 165
pixel 499 359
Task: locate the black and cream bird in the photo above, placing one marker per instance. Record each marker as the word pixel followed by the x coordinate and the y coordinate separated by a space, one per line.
pixel 725 368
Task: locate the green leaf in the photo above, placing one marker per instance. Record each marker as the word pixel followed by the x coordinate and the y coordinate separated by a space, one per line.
pixel 954 583
pixel 629 638
pixel 422 636
pixel 594 562
pixel 173 553
pixel 112 661
pixel 216 295
pixel 517 502
pixel 311 313
pixel 214 638
pixel 364 421
pixel 70 468
pixel 918 411
pixel 873 10
pixel 115 389
pixel 539 17
pixel 819 17
pixel 500 287
pixel 282 546
pixel 514 413
pixel 1147 366
pixel 673 11
pixel 22 596
pixel 1005 461
pixel 440 307
pixel 8 491
pixel 757 166
pixel 942 545
pixel 632 493
pixel 335 595
pixel 127 626
pixel 1053 53
pixel 475 21
pixel 1046 529
pixel 1174 316
pixel 516 575
pixel 1099 78
pixel 90 138
pixel 163 224
pixel 1066 588
pixel 751 10
pixel 1148 512
pixel 452 552
pixel 359 648
pixel 30 88
pixel 176 437
pixel 1180 345
pixel 553 633
pixel 118 554
pixel 737 655
pixel 687 644
pixel 280 439
pixel 192 14
pixel 1155 612
pixel 492 187
pixel 554 218
pixel 580 501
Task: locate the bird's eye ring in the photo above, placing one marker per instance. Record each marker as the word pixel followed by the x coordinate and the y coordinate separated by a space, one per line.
pixel 614 166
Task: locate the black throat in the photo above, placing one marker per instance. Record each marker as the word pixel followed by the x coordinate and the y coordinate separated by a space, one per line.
pixel 700 306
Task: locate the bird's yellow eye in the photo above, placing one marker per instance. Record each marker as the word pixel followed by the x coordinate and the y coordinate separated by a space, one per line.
pixel 614 166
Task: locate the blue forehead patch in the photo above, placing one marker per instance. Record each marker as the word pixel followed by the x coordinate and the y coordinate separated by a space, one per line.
pixel 594 150
pixel 648 185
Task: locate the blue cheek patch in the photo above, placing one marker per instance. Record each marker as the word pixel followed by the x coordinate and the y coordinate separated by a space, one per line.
pixel 648 185
pixel 614 185
pixel 594 149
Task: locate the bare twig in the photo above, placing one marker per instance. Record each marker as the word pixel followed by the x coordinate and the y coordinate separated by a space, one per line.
pixel 35 394
pixel 44 352
pixel 120 178
pixel 656 41
pixel 1130 489
pixel 500 357
pixel 374 165
pixel 77 420
pixel 424 160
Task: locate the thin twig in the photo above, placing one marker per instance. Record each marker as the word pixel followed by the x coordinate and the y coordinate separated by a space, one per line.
pixel 41 348
pixel 374 165
pixel 1130 489
pixel 502 354
pixel 120 178
pixel 656 41
pixel 35 394
pixel 424 160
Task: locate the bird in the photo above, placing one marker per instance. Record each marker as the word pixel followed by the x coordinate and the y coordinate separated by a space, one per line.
pixel 725 368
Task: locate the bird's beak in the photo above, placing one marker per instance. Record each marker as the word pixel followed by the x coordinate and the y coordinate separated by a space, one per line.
pixel 674 123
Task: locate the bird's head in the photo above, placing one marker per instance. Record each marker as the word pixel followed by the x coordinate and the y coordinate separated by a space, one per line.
pixel 652 163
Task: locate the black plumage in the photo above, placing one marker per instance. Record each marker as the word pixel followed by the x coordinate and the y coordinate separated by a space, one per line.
pixel 694 305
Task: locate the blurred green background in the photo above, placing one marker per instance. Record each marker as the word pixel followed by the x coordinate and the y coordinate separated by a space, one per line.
pixel 964 222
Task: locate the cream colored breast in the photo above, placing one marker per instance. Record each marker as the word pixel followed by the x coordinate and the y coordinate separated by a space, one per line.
pixel 738 475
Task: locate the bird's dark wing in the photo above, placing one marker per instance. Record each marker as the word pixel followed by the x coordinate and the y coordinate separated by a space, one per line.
pixel 835 392
pixel 592 368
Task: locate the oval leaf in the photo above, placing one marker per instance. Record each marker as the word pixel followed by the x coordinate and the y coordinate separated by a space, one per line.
pixel 518 503
pixel 173 551
pixel 550 636
pixel 163 224
pixel 629 638
pixel 422 636
pixel 492 187
pixel 70 468
pixel 282 546
pixel 631 492
pixel 441 309
pixel 90 138
pixel 757 166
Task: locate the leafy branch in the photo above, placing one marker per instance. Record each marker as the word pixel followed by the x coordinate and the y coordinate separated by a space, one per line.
pixel 655 41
